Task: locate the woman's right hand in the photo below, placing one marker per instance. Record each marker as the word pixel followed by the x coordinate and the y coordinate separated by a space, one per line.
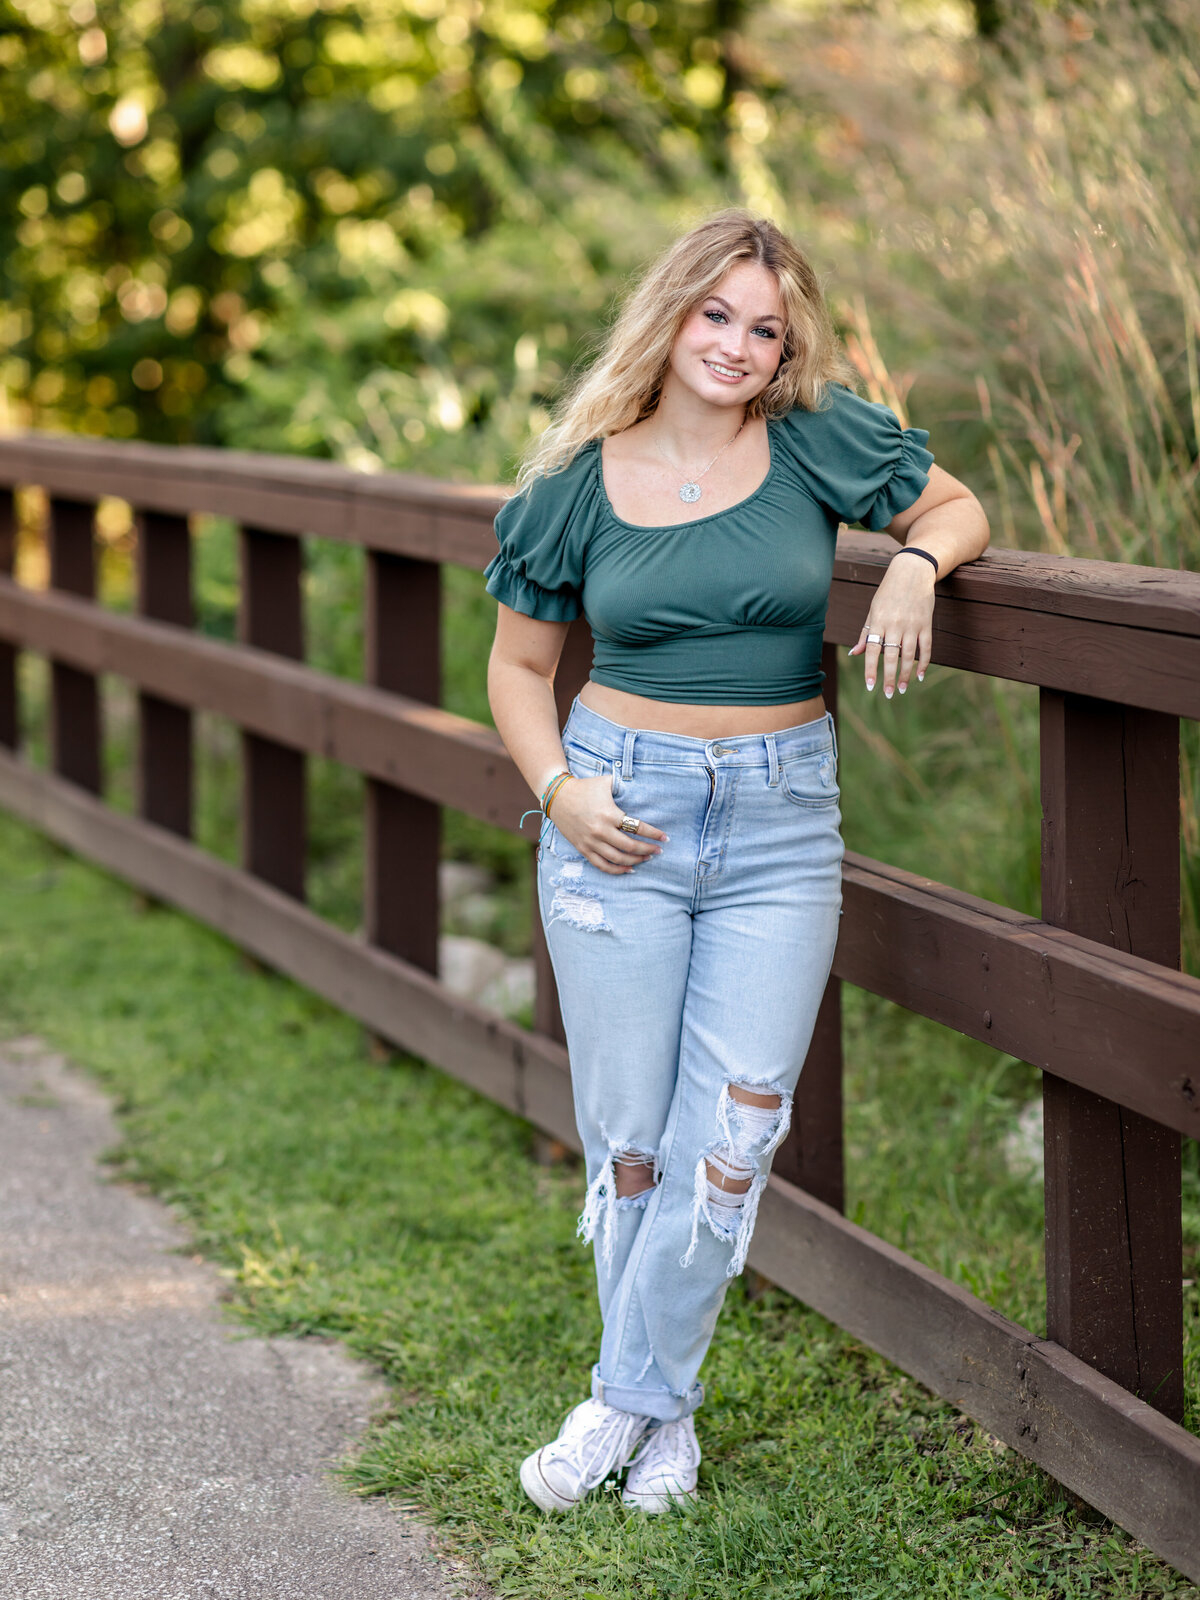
pixel 583 811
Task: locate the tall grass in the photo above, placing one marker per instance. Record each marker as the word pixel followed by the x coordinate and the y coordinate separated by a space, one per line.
pixel 1014 249
pixel 1027 239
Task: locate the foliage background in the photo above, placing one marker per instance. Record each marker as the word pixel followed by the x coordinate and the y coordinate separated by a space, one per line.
pixel 385 233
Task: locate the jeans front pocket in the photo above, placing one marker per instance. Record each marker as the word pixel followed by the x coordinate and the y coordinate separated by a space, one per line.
pixel 585 763
pixel 811 781
pixel 582 763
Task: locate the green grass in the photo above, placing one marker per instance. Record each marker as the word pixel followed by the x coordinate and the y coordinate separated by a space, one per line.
pixel 392 1208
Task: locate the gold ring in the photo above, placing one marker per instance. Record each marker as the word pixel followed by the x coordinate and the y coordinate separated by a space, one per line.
pixel 629 824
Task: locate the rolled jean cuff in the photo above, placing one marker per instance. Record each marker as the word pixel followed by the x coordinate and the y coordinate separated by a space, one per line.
pixel 660 1404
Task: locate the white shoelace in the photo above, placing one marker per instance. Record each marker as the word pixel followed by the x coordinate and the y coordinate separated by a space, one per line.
pixel 591 1440
pixel 670 1450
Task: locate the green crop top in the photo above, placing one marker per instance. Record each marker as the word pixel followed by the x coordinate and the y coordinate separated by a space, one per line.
pixel 728 609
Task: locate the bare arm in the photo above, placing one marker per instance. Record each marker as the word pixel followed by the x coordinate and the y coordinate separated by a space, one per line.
pixel 521 668
pixel 949 522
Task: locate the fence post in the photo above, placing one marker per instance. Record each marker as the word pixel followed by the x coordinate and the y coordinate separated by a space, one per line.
pixel 164 572
pixel 574 668
pixel 274 808
pixel 10 725
pixel 1110 871
pixel 403 832
pixel 74 695
pixel 813 1154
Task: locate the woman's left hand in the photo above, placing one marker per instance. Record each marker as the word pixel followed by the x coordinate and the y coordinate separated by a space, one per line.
pixel 902 611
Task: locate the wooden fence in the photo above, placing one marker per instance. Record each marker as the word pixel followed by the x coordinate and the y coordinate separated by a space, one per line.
pixel 1091 994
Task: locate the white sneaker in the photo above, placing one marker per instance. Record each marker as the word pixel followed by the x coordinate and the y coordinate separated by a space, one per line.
pixel 664 1471
pixel 595 1440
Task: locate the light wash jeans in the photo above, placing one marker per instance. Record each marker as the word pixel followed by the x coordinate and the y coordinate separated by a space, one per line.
pixel 701 969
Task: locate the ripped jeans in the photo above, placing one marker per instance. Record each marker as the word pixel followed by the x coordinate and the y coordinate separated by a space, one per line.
pixel 697 974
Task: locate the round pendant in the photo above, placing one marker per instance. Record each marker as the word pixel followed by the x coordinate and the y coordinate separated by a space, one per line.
pixel 690 493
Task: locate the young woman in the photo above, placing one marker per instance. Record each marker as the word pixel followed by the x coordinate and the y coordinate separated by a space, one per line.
pixel 687 501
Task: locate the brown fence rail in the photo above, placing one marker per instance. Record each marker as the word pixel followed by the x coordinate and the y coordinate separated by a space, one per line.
pixel 1091 993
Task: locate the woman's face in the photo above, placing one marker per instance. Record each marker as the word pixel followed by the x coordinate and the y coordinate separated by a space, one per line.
pixel 731 343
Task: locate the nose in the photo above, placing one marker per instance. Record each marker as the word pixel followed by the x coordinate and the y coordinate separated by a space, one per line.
pixel 733 342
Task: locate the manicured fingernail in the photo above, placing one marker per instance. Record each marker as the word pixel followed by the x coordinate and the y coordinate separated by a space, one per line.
pixel 870 683
pixel 920 677
pixel 903 686
pixel 666 838
pixel 887 691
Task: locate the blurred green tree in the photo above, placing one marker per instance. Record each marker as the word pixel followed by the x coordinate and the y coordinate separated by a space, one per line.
pixel 178 180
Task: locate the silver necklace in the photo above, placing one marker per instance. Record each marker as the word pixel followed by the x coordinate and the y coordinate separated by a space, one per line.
pixel 691 491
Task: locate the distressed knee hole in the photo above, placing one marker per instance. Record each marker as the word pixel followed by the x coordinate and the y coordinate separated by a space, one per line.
pixel 634 1175
pixel 752 1122
pixel 625 1182
pixel 744 1094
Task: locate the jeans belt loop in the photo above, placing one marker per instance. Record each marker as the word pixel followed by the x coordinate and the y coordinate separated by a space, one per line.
pixel 627 754
pixel 772 761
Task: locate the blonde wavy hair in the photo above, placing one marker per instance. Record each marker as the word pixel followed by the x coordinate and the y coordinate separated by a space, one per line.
pixel 624 383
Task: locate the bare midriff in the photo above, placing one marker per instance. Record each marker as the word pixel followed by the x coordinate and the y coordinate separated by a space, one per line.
pixel 697 722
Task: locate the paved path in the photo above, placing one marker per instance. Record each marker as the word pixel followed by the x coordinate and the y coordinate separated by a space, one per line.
pixel 148 1449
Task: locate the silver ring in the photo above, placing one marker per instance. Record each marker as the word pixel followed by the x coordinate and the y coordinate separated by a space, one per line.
pixel 629 824
pixel 893 644
pixel 874 638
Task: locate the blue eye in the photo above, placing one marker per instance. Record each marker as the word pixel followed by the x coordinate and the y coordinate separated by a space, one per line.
pixel 719 316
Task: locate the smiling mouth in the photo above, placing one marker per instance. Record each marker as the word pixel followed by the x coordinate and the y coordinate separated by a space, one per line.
pixel 724 372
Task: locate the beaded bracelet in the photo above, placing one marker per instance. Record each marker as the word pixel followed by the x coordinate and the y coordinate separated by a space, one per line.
pixel 912 549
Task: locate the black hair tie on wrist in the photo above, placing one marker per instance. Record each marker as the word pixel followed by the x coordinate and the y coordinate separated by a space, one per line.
pixel 911 549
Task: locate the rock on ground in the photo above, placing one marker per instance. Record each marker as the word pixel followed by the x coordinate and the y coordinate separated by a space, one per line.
pixel 148 1449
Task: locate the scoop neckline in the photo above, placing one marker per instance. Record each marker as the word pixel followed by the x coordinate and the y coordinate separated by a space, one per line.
pixel 695 522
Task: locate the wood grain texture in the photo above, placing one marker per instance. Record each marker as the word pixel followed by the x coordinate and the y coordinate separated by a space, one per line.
pixel 1119 661
pixel 1110 871
pixel 431 752
pixel 402 846
pixel 76 746
pixel 274 778
pixel 165 768
pixel 1040 993
pixel 400 512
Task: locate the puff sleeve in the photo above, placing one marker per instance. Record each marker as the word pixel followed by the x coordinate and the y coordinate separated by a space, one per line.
pixel 543 533
pixel 856 459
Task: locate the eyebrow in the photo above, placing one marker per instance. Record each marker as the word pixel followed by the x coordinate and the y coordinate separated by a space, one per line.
pixel 770 317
